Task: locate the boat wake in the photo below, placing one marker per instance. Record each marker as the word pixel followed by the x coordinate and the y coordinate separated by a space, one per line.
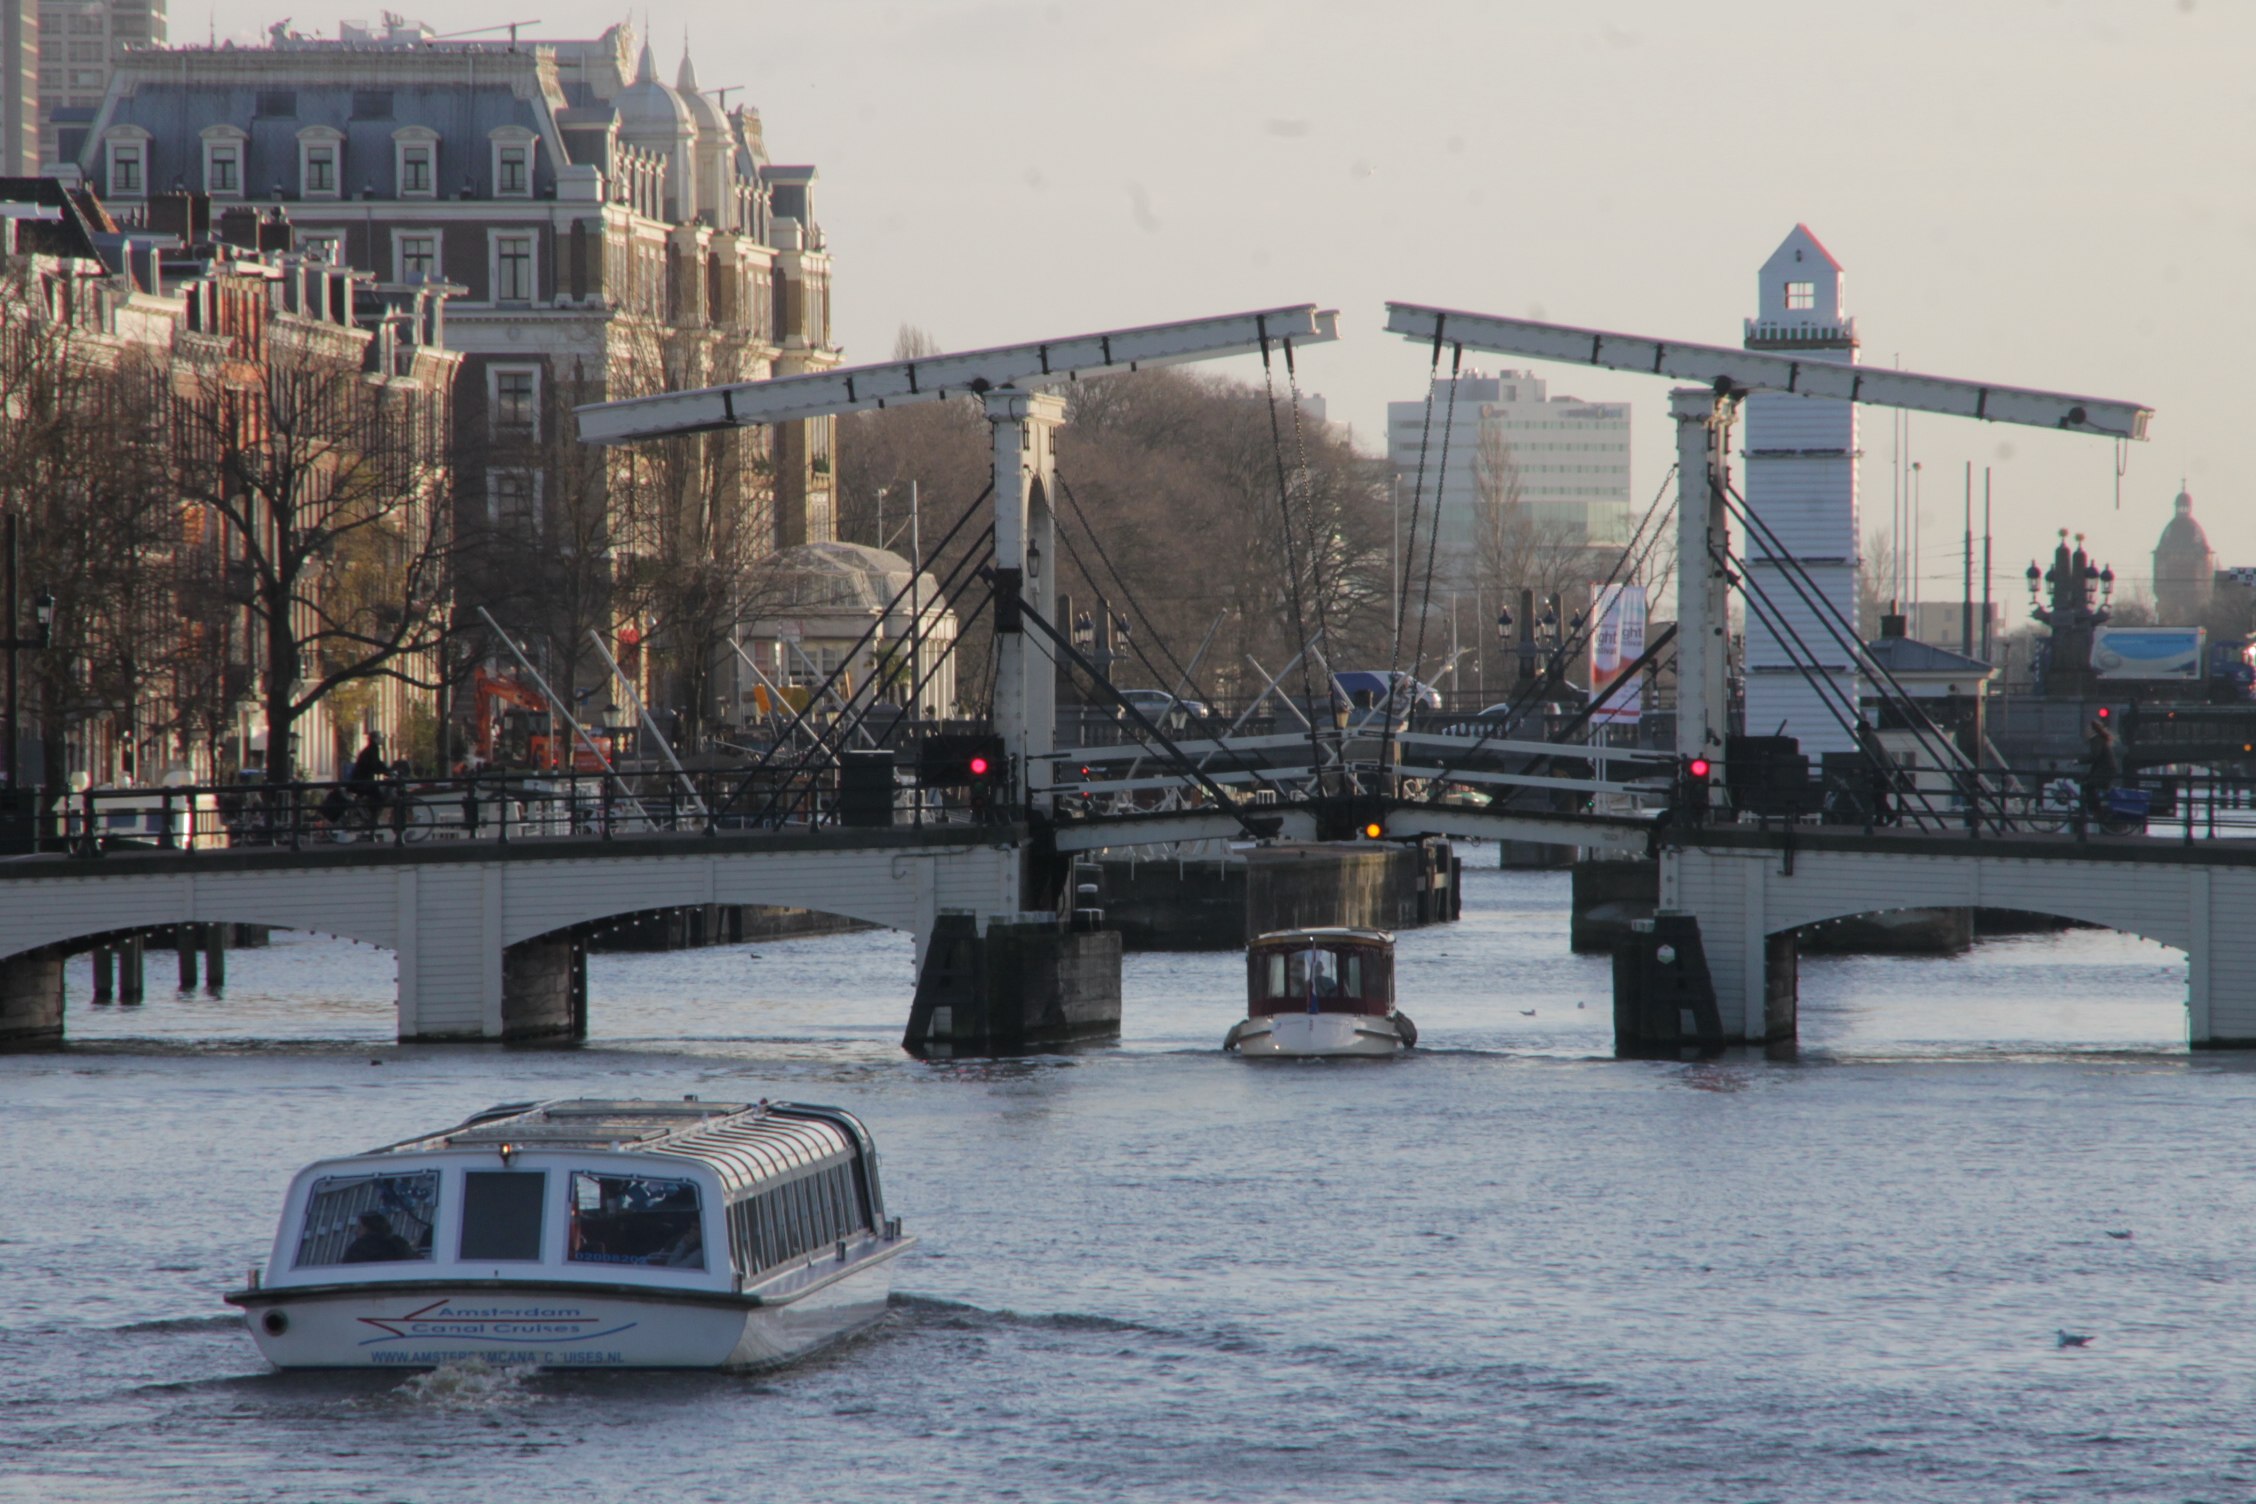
pixel 471 1384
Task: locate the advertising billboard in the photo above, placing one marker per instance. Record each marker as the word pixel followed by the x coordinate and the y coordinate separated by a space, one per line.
pixel 2147 652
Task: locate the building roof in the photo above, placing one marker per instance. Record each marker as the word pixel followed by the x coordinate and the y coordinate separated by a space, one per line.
pixel 1908 655
pixel 850 577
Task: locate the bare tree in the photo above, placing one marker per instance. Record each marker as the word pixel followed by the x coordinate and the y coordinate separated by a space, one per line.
pixel 328 483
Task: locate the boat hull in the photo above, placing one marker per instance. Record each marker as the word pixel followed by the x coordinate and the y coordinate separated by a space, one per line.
pixel 547 1324
pixel 1295 1036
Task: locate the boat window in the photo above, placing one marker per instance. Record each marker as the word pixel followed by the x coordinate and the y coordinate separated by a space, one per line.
pixel 1314 972
pixel 791 1220
pixel 636 1219
pixel 370 1219
pixel 1354 987
pixel 501 1215
pixel 1276 975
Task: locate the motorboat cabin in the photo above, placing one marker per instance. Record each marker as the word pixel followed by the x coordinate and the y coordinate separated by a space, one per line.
pixel 1321 992
pixel 627 1234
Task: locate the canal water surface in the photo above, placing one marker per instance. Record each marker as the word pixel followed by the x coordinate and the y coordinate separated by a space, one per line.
pixel 1505 1267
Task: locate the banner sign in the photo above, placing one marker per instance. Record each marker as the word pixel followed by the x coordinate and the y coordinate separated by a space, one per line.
pixel 1617 642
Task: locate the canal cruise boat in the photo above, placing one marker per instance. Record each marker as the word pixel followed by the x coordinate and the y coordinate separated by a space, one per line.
pixel 617 1234
pixel 1313 992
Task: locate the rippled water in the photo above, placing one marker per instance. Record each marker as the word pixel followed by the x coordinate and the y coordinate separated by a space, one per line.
pixel 1505 1267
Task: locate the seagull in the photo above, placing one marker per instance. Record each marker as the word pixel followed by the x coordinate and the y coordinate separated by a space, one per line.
pixel 2074 1339
pixel 1582 1005
pixel 1527 1013
pixel 2111 1232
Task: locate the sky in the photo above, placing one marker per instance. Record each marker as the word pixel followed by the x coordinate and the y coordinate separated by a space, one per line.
pixel 2042 193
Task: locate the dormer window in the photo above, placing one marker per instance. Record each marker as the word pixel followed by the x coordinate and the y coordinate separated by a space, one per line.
pixel 321 161
pixel 127 147
pixel 224 147
pixel 1800 295
pixel 513 147
pixel 417 161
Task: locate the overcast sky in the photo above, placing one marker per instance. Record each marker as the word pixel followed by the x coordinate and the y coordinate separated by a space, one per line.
pixel 2042 194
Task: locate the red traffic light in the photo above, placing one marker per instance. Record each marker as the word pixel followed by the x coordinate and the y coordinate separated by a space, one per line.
pixel 1698 767
pixel 979 767
pixel 2103 712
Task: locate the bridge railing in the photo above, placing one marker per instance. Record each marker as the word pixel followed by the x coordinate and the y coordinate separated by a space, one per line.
pixel 488 806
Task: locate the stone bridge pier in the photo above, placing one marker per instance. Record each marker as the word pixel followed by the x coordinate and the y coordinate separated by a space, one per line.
pixel 1752 889
pixel 488 940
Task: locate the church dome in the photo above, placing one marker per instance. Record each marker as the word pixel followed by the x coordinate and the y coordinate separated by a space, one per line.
pixel 2182 536
pixel 648 110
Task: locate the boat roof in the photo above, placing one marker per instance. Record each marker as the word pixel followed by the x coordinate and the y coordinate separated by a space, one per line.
pixel 1322 934
pixel 745 1142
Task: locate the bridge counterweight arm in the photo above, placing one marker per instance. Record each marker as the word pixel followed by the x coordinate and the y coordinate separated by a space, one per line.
pixel 934 378
pixel 1729 370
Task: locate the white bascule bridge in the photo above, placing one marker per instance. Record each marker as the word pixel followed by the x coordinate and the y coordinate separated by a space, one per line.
pixel 484 934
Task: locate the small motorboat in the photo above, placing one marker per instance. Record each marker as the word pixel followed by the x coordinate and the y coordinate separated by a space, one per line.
pixel 619 1234
pixel 1321 992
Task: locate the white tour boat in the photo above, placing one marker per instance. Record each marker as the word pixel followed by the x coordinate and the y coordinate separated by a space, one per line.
pixel 584 1234
pixel 1321 992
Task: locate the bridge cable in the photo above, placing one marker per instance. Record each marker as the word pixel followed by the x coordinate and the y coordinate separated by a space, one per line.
pixel 1829 694
pixel 1655 512
pixel 712 826
pixel 808 791
pixel 1931 736
pixel 975 558
pixel 1410 550
pixel 1258 829
pixel 1135 643
pixel 1292 562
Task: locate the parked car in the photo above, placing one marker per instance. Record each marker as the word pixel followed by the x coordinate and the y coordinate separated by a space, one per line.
pixel 1161 708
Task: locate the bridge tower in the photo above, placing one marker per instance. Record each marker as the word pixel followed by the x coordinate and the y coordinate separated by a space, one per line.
pixel 1025 427
pixel 1801 460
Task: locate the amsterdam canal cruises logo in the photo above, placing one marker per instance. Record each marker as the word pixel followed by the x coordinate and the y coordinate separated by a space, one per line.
pixel 491 1323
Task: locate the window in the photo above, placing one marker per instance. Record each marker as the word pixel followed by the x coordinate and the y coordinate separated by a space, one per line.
pixel 516 398
pixel 86 52
pixel 636 1219
pixel 501 1216
pixel 513 502
pixel 792 1220
pixel 329 249
pixel 418 258
pixel 223 169
pixel 515 175
pixel 414 170
pixel 321 169
pixel 369 1219
pixel 125 172
pixel 513 269
pixel 1801 295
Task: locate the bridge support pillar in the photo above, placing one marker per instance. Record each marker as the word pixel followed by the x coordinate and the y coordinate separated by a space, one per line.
pixel 1028 984
pixel 31 1000
pixel 544 991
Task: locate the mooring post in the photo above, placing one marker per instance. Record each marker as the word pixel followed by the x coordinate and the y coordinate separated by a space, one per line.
pixel 104 970
pixel 215 958
pixel 184 940
pixel 131 979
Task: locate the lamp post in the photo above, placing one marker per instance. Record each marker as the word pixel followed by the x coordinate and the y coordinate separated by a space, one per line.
pixel 44 607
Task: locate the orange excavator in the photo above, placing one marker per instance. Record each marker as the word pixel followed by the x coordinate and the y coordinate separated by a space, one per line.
pixel 517 729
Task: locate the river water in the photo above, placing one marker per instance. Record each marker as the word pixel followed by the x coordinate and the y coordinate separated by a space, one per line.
pixel 1504 1267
